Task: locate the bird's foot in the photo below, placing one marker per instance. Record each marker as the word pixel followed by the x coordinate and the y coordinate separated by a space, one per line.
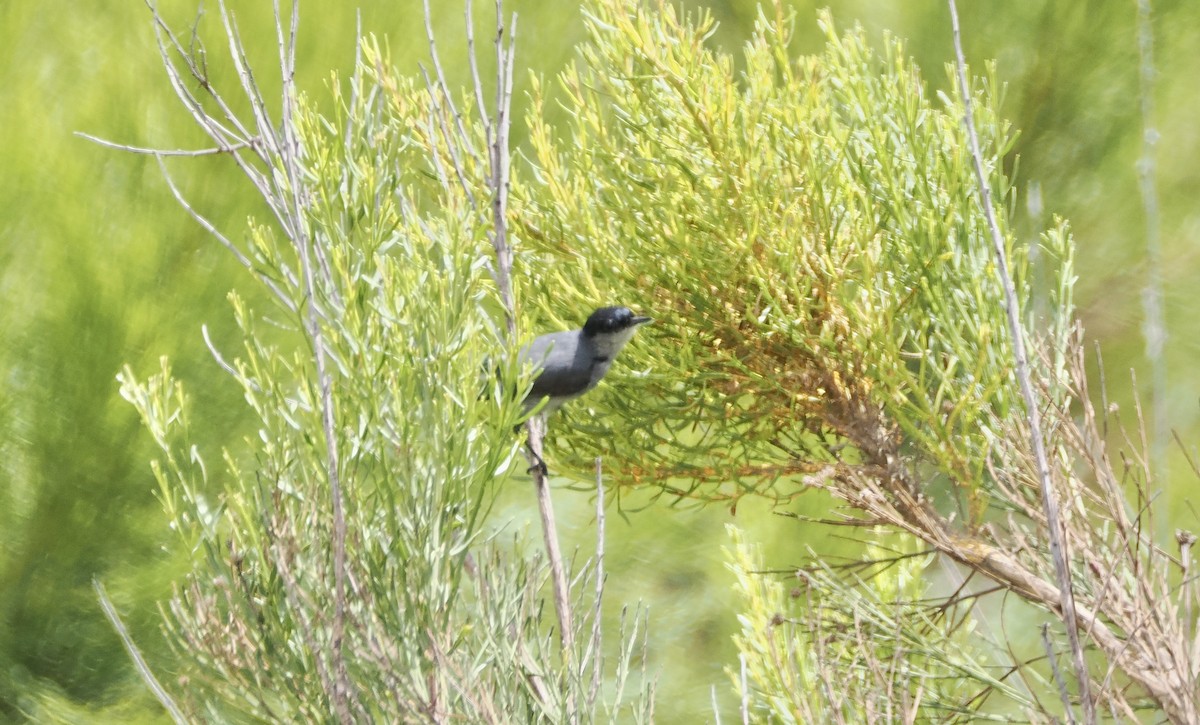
pixel 539 465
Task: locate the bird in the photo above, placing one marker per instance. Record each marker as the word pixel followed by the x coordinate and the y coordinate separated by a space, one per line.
pixel 569 364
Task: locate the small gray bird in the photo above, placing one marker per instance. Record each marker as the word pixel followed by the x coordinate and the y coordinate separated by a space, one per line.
pixel 573 362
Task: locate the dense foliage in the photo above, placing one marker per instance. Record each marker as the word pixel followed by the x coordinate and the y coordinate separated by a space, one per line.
pixel 631 162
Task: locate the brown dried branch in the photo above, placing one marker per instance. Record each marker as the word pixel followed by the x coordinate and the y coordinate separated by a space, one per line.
pixel 1127 604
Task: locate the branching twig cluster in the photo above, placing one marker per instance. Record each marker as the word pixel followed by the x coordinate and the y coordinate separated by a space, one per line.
pixel 1127 604
pixel 497 124
pixel 260 149
pixel 338 573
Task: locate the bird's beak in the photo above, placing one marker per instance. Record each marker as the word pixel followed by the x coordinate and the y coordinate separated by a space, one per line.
pixel 642 320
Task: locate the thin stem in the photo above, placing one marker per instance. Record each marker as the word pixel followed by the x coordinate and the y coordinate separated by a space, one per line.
pixel 225 365
pixel 305 247
pixel 535 427
pixel 500 157
pixel 445 87
pixel 1186 540
pixel 745 688
pixel 164 152
pixel 452 147
pixel 224 240
pixel 1033 413
pixel 160 692
pixel 1063 694
pixel 597 630
pixel 479 102
pixel 1154 327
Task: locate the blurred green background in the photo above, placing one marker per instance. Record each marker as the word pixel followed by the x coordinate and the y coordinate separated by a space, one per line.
pixel 99 266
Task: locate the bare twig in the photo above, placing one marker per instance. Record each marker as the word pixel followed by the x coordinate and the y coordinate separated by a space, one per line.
pixel 558 570
pixel 445 87
pixel 1186 540
pixel 164 152
pixel 451 145
pixel 224 240
pixel 1154 327
pixel 597 631
pixel 228 133
pixel 245 73
pixel 481 106
pixel 440 94
pixel 1049 502
pixel 212 349
pixel 745 687
pixel 164 697
pixel 165 37
pixel 500 158
pixel 1052 658
pixel 306 248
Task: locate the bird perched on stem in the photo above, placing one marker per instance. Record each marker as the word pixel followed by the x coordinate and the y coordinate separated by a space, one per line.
pixel 571 363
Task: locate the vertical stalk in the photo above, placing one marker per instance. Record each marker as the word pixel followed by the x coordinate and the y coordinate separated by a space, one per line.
pixel 289 156
pixel 1154 326
pixel 1049 500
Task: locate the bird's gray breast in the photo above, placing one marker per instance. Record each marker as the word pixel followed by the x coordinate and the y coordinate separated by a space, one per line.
pixel 568 364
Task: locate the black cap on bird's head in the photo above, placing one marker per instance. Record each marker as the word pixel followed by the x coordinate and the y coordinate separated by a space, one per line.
pixel 612 319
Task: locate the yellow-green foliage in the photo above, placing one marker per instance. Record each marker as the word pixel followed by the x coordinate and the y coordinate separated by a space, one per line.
pixel 805 230
pixel 825 646
pixel 377 264
pixel 808 232
pixel 100 267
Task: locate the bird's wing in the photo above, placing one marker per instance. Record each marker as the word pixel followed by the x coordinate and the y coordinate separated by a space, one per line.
pixel 566 376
